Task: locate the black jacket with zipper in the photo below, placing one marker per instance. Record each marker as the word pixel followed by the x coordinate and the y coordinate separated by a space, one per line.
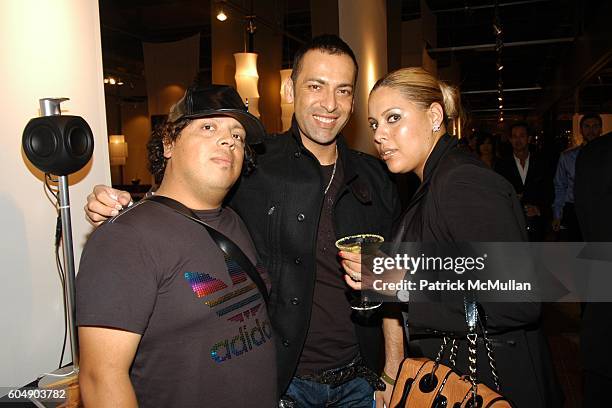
pixel 281 204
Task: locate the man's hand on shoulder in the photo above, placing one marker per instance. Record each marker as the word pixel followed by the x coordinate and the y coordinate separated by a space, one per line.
pixel 105 202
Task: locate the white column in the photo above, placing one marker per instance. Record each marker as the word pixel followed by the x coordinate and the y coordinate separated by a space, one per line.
pixel 49 49
pixel 363 25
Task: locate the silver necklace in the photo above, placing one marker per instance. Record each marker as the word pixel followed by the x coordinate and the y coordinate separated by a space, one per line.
pixel 333 173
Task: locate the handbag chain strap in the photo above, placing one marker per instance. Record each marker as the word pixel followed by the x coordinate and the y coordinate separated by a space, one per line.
pixel 440 354
pixel 453 353
pixel 471 318
pixel 491 357
pixel 452 358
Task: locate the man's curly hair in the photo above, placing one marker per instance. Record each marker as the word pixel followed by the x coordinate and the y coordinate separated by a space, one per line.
pixel 169 132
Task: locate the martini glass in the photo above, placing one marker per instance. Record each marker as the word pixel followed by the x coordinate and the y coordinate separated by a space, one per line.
pixel 361 244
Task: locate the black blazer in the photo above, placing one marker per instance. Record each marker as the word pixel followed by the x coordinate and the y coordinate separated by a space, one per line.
pixel 538 188
pixel 461 200
pixel 593 200
pixel 280 204
pixel 593 189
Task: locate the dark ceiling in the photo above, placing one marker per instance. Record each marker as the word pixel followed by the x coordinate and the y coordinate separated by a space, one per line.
pixel 540 39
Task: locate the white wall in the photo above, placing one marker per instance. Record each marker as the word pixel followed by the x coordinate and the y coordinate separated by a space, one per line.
pixel 363 25
pixel 49 49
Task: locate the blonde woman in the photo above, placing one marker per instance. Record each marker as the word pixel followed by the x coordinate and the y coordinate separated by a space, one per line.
pixel 459 200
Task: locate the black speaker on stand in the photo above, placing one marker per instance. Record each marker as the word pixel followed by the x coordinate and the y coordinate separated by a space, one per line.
pixel 61 145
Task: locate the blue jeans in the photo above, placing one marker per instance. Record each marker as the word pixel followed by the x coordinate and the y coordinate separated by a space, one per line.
pixel 356 393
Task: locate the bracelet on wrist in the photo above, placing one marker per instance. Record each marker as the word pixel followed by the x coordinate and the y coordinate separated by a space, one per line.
pixel 387 378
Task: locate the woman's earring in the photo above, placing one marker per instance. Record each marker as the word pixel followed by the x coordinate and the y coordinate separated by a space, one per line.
pixel 436 127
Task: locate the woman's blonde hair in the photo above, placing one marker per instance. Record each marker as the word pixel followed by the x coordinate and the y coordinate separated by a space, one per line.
pixel 422 88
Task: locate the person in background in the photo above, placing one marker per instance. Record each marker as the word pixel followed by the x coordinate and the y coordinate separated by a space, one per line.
pixel 593 198
pixel 531 179
pixel 165 319
pixel 459 200
pixel 308 190
pixel 564 213
pixel 486 148
pixel 470 143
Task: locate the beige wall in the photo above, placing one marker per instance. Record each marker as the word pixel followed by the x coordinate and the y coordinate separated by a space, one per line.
pixel 135 126
pixel 170 68
pixel 137 131
pixel 49 49
pixel 369 43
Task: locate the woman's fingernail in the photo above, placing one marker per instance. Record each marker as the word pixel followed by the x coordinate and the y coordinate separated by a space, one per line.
pixel 114 212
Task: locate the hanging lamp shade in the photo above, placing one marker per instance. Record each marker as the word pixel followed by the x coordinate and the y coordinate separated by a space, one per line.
pixel 246 79
pixel 118 150
pixel 286 107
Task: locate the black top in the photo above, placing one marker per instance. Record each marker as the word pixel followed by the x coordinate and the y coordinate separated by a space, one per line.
pixel 331 340
pixel 593 197
pixel 593 189
pixel 281 204
pixel 462 200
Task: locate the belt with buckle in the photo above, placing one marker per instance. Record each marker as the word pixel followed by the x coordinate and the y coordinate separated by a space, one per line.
pixel 337 376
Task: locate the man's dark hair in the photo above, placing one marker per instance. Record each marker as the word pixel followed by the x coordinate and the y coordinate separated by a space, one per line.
pixel 327 43
pixel 590 115
pixel 520 124
pixel 166 132
pixel 169 132
pixel 481 138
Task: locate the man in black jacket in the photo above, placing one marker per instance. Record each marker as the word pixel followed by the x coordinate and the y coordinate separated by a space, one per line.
pixel 531 179
pixel 593 197
pixel 310 189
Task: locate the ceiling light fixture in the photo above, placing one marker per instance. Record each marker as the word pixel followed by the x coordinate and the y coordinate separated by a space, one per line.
pixel 246 71
pixel 497 29
pixel 499 47
pixel 221 16
pixel 110 80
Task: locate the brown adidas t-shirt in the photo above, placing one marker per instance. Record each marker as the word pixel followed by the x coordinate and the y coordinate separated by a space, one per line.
pixel 206 336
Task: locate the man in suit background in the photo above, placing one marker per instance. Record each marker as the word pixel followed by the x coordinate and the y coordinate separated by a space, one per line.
pixel 531 179
pixel 564 213
pixel 593 200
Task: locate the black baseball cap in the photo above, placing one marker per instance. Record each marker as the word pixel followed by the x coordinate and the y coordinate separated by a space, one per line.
pixel 217 100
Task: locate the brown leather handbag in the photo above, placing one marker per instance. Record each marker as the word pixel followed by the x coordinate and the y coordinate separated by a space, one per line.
pixel 425 383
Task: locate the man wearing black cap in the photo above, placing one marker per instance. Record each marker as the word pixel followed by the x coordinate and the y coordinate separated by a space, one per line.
pixel 308 190
pixel 166 318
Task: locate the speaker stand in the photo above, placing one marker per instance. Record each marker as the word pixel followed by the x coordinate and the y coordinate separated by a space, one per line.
pixel 67 377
